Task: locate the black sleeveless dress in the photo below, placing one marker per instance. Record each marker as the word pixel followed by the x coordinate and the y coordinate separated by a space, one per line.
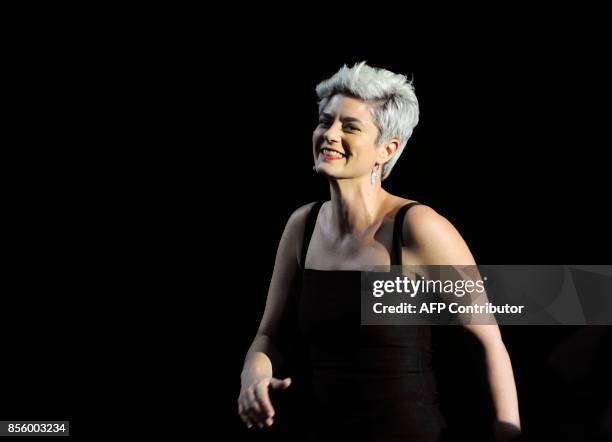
pixel 366 383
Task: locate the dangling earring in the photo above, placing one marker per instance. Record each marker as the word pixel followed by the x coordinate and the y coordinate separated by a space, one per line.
pixel 314 168
pixel 374 176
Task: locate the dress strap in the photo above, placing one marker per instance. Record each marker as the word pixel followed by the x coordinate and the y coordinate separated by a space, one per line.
pixel 311 220
pixel 396 255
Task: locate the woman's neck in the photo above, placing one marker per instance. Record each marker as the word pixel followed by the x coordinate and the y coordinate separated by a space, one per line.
pixel 356 206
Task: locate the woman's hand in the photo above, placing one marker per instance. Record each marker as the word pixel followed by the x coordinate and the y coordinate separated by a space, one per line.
pixel 254 406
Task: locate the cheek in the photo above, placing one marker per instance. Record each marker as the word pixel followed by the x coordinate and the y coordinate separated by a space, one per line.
pixel 360 146
pixel 363 151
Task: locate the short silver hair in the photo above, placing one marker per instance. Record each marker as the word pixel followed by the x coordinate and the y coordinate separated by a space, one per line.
pixel 393 104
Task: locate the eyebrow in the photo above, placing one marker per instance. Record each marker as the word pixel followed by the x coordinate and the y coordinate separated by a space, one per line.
pixel 344 120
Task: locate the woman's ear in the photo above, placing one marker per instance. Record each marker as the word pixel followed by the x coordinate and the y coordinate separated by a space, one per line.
pixel 389 149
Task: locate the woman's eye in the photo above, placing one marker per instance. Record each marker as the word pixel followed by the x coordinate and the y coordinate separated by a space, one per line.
pixel 352 128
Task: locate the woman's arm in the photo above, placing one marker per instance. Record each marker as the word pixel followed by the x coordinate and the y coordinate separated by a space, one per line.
pixel 435 241
pixel 285 273
pixel 499 373
pixel 263 357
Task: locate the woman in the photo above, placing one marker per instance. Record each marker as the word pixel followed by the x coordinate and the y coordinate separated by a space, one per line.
pixel 368 382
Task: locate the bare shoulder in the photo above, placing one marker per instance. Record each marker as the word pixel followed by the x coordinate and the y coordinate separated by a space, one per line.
pixel 422 219
pixel 417 215
pixel 297 220
pixel 434 237
pixel 294 230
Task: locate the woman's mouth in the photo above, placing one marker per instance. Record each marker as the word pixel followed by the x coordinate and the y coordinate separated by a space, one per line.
pixel 330 154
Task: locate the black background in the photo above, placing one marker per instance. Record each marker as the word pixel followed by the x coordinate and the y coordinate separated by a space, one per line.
pixel 154 165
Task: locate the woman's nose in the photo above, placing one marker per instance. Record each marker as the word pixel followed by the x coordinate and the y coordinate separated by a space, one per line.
pixel 331 135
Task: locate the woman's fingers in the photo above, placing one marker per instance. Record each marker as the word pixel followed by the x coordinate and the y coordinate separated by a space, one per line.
pixel 267 411
pixel 278 384
pixel 245 408
pixel 254 410
pixel 242 411
pixel 253 402
pixel 254 405
pixel 263 407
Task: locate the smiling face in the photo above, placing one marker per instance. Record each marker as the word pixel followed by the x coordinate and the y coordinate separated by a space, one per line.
pixel 344 141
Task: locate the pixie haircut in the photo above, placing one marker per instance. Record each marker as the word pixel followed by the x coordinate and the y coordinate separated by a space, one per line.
pixel 391 99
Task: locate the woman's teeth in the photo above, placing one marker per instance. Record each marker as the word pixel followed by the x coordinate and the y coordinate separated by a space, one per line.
pixel 332 153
